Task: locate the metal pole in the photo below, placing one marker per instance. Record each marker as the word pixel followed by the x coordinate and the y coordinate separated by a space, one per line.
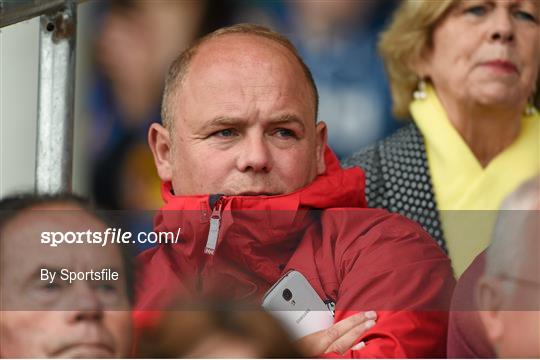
pixel 54 151
pixel 14 11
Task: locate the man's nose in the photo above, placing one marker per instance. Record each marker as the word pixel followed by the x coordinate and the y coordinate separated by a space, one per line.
pixel 87 304
pixel 254 155
pixel 502 27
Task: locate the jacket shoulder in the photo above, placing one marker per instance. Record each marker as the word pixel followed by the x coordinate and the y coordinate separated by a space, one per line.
pixel 360 229
pixel 372 244
pixel 398 178
pixel 401 139
pixel 376 160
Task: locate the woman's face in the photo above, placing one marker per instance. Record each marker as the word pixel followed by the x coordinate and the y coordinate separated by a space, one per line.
pixel 487 52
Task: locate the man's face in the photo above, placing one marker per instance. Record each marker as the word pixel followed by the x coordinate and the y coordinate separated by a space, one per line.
pixel 244 122
pixel 525 343
pixel 57 319
pixel 521 321
pixel 510 302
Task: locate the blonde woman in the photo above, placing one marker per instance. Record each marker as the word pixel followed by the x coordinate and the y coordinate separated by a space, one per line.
pixel 466 73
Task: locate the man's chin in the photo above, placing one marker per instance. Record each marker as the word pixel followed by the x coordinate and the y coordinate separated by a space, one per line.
pixel 85 351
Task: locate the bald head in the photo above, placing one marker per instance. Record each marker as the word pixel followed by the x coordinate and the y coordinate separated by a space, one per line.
pixel 261 36
pixel 515 237
pixel 508 294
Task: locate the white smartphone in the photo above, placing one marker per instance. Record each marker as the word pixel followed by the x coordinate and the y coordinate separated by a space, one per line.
pixel 297 305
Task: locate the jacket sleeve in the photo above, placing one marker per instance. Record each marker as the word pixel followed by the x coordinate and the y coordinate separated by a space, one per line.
pixel 389 264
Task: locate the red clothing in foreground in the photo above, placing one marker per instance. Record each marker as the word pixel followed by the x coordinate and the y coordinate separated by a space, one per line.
pixel 363 259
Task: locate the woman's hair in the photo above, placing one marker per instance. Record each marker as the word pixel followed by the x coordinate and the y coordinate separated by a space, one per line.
pixel 405 41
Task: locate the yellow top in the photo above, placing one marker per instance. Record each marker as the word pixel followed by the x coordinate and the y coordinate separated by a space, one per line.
pixel 461 183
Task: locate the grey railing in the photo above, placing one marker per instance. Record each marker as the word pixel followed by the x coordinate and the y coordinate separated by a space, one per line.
pixel 56 88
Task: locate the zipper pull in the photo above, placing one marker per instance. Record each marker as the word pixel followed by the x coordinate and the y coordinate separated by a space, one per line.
pixel 213 232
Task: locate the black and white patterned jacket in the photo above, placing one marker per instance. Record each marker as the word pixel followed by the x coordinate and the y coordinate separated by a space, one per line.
pixel 398 178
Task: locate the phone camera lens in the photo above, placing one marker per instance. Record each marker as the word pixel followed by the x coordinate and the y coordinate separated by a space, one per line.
pixel 287 294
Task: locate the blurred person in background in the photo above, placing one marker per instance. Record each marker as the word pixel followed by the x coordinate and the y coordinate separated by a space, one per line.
pixel 337 40
pixel 475 130
pixel 514 250
pixel 217 329
pixel 508 295
pixel 52 317
pixel 136 42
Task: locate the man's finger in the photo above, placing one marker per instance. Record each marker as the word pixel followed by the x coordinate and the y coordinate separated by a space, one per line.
pixel 339 329
pixel 359 346
pixel 348 340
pixel 318 343
pixel 343 326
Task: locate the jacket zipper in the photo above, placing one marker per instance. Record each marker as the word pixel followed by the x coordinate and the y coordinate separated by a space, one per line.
pixel 213 232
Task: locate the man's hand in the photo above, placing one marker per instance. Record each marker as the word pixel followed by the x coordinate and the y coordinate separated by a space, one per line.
pixel 338 338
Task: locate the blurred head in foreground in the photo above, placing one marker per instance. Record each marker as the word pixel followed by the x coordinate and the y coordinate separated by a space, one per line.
pixel 216 330
pixel 509 292
pixel 42 316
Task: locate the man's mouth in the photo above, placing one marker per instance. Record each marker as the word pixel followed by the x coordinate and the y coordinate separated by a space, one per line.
pixel 85 350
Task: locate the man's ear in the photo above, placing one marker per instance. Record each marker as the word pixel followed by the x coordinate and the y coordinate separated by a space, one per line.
pixel 160 144
pixel 489 300
pixel 322 138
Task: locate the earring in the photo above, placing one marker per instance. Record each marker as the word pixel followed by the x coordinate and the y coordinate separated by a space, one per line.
pixel 530 110
pixel 420 93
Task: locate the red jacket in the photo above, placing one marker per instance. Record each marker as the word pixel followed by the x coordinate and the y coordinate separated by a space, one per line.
pixel 363 259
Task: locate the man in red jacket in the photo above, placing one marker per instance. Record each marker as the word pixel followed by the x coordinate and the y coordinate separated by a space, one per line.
pixel 254 191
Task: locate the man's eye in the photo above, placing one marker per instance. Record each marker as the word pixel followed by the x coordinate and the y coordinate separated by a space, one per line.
pixel 225 133
pixel 477 10
pixel 107 287
pixel 285 133
pixel 51 287
pixel 523 15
